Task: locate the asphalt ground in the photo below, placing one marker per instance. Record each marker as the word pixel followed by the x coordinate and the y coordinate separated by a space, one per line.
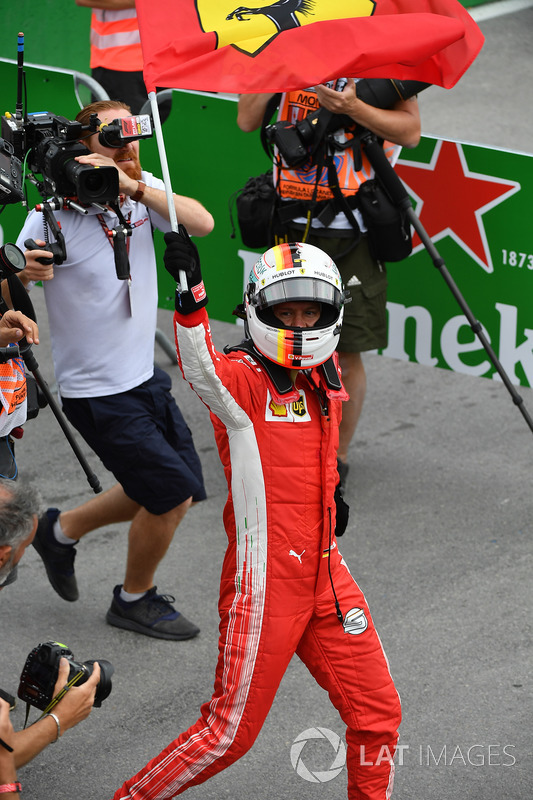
pixel 440 540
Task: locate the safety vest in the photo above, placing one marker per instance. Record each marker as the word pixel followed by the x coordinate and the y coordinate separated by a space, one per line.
pixel 12 395
pixel 299 183
pixel 115 40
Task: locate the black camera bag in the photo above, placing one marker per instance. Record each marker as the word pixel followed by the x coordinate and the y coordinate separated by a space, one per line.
pixel 389 231
pixel 256 205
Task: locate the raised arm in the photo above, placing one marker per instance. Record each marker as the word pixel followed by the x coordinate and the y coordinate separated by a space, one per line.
pixel 251 111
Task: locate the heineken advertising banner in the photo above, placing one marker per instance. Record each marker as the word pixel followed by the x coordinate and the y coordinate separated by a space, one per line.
pixel 473 201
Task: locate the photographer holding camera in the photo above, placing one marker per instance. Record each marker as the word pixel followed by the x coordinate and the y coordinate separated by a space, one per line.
pixel 109 388
pixel 319 206
pixel 19 511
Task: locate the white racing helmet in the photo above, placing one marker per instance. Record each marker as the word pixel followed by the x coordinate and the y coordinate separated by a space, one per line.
pixel 294 272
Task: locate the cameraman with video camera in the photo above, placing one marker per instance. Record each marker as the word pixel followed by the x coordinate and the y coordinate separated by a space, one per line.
pixel 320 207
pixel 110 391
pixel 19 511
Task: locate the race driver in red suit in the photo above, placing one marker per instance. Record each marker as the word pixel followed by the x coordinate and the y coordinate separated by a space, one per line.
pixel 275 404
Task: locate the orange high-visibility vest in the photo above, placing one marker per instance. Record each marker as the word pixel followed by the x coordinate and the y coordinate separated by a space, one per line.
pixel 299 183
pixel 12 395
pixel 115 40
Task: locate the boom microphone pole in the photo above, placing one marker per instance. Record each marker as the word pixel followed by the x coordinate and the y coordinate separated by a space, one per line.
pixel 398 194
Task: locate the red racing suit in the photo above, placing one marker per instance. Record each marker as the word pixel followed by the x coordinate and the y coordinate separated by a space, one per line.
pixel 276 593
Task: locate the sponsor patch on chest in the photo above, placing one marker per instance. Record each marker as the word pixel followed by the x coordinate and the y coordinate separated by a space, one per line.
pixel 297 411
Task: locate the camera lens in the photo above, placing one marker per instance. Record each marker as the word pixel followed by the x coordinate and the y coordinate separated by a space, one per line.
pixel 12 258
pixel 93 185
pixel 103 690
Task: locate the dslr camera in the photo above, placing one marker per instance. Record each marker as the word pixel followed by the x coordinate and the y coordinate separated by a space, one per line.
pixel 41 669
pixel 297 143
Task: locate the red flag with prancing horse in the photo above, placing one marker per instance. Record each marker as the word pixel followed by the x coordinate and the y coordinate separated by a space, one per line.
pixel 221 46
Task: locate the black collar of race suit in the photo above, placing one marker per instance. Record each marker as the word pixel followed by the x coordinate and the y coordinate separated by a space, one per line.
pixel 280 376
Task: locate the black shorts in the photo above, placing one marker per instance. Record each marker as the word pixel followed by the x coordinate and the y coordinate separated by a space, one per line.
pixel 141 437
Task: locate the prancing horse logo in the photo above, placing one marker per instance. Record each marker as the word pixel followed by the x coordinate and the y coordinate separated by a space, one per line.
pixel 282 13
pixel 251 28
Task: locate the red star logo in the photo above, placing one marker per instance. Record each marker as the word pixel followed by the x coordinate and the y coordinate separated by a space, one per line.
pixel 450 200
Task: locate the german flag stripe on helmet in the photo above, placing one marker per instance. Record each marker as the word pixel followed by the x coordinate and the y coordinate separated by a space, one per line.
pixel 290 344
pixel 287 256
pixel 284 345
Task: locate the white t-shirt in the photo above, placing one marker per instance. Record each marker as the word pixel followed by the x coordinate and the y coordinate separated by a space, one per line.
pixel 102 329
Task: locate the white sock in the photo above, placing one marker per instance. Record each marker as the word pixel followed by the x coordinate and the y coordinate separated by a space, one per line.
pixel 60 536
pixel 128 597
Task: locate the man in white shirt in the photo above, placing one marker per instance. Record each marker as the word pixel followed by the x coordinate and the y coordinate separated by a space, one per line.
pixel 109 388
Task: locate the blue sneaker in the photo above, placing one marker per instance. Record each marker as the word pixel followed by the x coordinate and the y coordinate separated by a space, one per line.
pixel 58 558
pixel 153 614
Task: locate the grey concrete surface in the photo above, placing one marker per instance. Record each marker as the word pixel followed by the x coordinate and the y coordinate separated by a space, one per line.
pixel 493 102
pixel 440 539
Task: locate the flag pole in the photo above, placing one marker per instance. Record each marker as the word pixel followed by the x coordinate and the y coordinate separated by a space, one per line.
pixel 166 177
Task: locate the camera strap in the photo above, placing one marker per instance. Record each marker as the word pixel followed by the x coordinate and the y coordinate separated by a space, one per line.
pixel 331 208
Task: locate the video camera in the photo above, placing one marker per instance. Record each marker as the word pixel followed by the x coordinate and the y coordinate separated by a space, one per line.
pixel 41 669
pixel 50 145
pixel 297 142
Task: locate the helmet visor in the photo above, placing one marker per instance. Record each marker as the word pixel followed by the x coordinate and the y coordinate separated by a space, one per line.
pixel 295 289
